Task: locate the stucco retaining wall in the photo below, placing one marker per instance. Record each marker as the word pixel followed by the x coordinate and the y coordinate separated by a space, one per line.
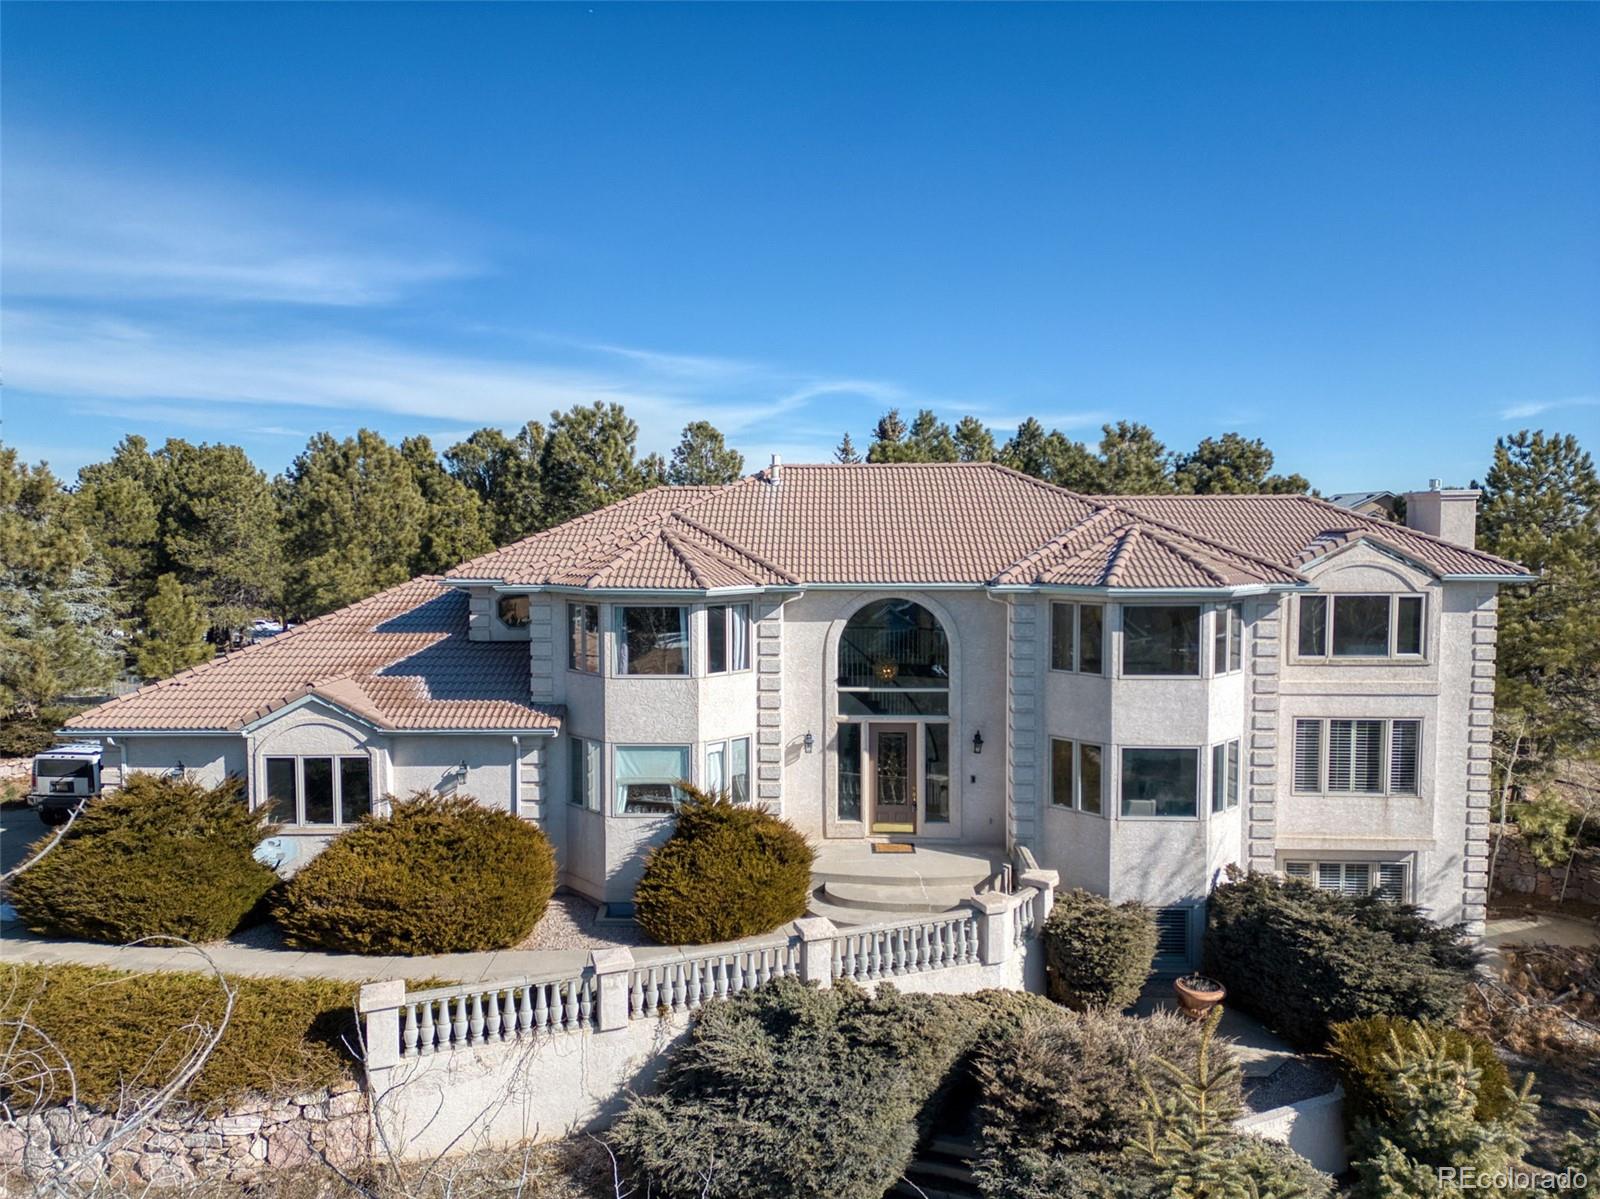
pixel 1313 1128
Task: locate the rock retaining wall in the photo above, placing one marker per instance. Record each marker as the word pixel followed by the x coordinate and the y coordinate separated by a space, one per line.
pixel 1517 873
pixel 330 1126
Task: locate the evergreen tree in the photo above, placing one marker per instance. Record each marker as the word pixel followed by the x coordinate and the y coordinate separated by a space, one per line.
pixel 504 474
pixel 1132 460
pixel 702 458
pixel 1541 507
pixel 930 440
pixel 219 534
pixel 453 518
pixel 889 439
pixel 845 451
pixel 1232 465
pixel 352 518
pixel 55 602
pixel 117 504
pixel 1434 1099
pixel 588 461
pixel 974 442
pixel 1052 457
pixel 174 634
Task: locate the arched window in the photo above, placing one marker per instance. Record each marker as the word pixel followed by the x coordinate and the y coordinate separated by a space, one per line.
pixel 894 660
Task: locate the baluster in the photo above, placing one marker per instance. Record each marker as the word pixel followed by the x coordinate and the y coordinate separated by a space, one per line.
pixel 836 968
pixel 676 988
pixel 585 1002
pixel 693 969
pixel 758 967
pixel 919 948
pixel 475 1019
pixel 524 1010
pixel 858 957
pixel 458 1025
pixel 638 992
pixel 736 983
pixel 901 957
pixel 425 1031
pixel 408 1034
pixel 541 1008
pixel 652 992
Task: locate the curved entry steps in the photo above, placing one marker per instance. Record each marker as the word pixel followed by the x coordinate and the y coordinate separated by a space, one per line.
pixel 852 885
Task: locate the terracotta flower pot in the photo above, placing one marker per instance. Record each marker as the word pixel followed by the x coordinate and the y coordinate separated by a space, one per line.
pixel 1198 994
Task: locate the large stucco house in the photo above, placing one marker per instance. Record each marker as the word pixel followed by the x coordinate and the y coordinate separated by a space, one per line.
pixel 1137 690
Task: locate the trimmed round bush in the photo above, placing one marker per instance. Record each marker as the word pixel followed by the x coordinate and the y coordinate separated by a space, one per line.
pixel 160 857
pixel 1359 1046
pixel 434 876
pixel 728 871
pixel 1097 954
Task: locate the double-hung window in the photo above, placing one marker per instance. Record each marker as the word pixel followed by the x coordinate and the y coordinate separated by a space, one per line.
pixel 1161 782
pixel 1161 639
pixel 1077 638
pixel 1357 757
pixel 1387 880
pixel 652 640
pixel 584 774
pixel 1225 781
pixel 1360 626
pixel 1227 639
pixel 728 768
pixel 317 790
pixel 583 638
pixel 727 638
pixel 649 778
pixel 1076 776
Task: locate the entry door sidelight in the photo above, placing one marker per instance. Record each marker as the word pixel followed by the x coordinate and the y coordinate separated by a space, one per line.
pixel 894 778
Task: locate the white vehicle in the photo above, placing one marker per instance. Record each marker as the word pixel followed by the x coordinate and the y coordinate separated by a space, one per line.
pixel 63 777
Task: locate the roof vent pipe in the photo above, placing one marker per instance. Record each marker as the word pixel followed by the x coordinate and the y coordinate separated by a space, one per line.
pixel 774 470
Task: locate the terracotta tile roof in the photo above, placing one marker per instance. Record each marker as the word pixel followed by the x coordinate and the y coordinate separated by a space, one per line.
pixel 400 659
pixel 944 523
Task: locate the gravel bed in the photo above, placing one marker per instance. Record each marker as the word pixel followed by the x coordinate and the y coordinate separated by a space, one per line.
pixel 569 923
pixel 1298 1078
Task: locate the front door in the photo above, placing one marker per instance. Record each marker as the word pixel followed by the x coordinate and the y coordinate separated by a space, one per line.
pixel 892 748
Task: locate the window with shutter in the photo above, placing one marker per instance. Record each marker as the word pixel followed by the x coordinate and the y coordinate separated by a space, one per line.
pixel 1392 881
pixel 1341 734
pixel 1233 774
pixel 1298 870
pixel 1219 778
pixel 1403 738
pixel 1235 636
pixel 1308 756
pixel 1357 879
pixel 1387 880
pixel 1330 875
pixel 1367 757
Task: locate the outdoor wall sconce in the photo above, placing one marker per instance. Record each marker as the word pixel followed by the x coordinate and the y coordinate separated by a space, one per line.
pixel 977 743
pixel 461 770
pixel 809 742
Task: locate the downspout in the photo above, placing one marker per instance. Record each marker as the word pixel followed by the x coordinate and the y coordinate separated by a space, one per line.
pixel 516 775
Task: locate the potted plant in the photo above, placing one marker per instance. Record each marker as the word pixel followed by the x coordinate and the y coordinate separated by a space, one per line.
pixel 1199 994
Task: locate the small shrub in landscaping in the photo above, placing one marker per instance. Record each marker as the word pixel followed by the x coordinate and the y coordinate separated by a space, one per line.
pixel 1097 954
pixel 728 871
pixel 434 876
pixel 160 857
pixel 120 1030
pixel 1302 960
pixel 1362 1047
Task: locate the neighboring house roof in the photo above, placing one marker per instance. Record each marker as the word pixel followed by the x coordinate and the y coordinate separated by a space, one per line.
pixel 943 523
pixel 399 660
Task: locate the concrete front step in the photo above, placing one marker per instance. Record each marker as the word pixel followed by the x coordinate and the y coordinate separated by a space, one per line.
pixel 899 895
pixel 849 917
pixel 854 862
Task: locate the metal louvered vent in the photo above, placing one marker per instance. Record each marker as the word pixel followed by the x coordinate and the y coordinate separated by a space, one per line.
pixel 1172 935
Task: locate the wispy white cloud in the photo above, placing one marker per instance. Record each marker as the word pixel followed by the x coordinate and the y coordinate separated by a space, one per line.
pixel 114 230
pixel 1539 407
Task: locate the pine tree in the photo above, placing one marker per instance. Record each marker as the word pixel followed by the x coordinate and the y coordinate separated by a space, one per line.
pixel 1133 461
pixel 974 442
pixel 117 503
pixel 889 439
pixel 504 474
pixel 588 461
pixel 845 451
pixel 1541 507
pixel 1052 457
pixel 174 634
pixel 453 518
pixel 1232 465
pixel 702 458
pixel 1434 1099
pixel 930 440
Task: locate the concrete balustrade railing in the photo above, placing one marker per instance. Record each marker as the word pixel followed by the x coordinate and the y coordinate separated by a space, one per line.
pixel 615 989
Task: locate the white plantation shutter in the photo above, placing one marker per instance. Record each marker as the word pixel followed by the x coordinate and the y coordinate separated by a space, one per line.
pixel 1341 734
pixel 1299 870
pixel 1308 755
pixel 1233 774
pixel 1403 738
pixel 1367 757
pixel 1330 875
pixel 1392 881
pixel 1357 878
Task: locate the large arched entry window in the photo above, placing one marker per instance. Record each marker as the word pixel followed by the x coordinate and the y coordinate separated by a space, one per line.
pixel 893 688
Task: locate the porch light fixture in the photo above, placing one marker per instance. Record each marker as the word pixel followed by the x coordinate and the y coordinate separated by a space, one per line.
pixel 977 743
pixel 809 742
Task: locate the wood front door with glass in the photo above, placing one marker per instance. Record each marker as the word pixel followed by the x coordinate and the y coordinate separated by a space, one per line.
pixel 892 777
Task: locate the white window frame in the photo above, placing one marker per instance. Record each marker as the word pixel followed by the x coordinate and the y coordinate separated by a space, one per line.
pixel 1058 611
pixel 584 761
pixel 1202 651
pixel 1312 871
pixel 1075 799
pixel 574 607
pixel 1227 765
pixel 1199 780
pixel 619 630
pixel 1227 639
pixel 1392 654
pixel 1324 753
pixel 731 614
pixel 619 806
pixel 725 748
pixel 299 760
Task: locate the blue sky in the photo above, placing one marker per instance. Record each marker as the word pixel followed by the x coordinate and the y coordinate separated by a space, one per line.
pixel 1368 234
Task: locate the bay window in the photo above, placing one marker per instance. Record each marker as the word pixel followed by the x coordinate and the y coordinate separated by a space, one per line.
pixel 1228 639
pixel 583 638
pixel 652 640
pixel 1360 757
pixel 583 767
pixel 318 790
pixel 728 768
pixel 1075 775
pixel 1077 638
pixel 727 638
pixel 1360 626
pixel 1161 782
pixel 1161 639
pixel 649 778
pixel 1225 780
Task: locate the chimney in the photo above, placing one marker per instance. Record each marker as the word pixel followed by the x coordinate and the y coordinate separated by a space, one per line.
pixel 1449 513
pixel 775 470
